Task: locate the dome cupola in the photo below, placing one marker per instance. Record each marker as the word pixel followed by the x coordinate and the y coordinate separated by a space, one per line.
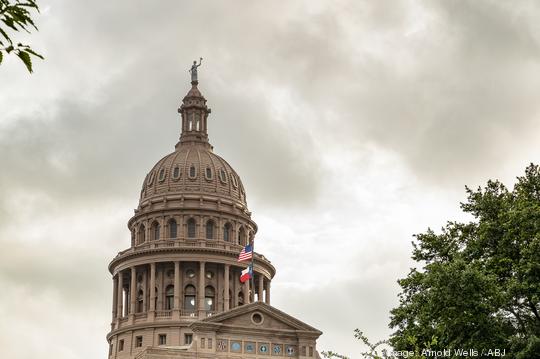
pixel 194 114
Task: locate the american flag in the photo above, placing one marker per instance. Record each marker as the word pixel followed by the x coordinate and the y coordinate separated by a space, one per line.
pixel 247 253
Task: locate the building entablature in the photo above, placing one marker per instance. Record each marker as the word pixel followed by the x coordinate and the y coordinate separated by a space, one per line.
pixel 188 251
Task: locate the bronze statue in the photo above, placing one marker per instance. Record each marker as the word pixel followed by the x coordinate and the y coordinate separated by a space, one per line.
pixel 194 70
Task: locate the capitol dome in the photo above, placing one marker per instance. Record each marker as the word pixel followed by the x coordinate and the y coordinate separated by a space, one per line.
pixel 193 168
pixel 191 281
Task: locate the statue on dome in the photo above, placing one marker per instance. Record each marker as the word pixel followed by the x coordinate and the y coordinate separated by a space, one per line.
pixel 193 70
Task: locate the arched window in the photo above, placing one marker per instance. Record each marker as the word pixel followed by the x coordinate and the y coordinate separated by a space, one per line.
pixel 169 297
pixel 156 228
pixel 142 234
pixel 210 229
pixel 227 232
pixel 176 172
pixel 140 302
pixel 191 228
pixel 192 172
pixel 208 173
pixel 242 236
pixel 172 229
pixel 222 176
pixel 197 121
pixel 155 298
pixel 241 298
pixel 190 298
pixel 161 176
pixel 209 298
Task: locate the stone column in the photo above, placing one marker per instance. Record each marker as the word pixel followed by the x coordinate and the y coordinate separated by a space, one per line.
pixel 115 297
pixel 235 288
pixel 152 289
pixel 120 296
pixel 144 286
pixel 177 284
pixel 162 229
pixel 226 297
pixel 219 225
pixel 267 299
pixel 148 229
pixel 202 283
pixel 261 287
pixel 133 290
pixel 246 292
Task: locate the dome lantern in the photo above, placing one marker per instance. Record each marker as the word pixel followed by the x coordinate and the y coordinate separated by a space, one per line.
pixel 194 114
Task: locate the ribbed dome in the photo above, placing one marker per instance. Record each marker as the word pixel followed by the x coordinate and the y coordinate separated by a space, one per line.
pixel 193 169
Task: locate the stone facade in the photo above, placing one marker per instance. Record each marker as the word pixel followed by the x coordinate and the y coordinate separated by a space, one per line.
pixel 176 289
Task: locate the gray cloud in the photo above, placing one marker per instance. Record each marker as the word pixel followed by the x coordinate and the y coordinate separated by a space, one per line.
pixel 445 92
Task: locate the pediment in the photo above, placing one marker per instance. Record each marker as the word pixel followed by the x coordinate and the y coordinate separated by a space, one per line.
pixel 256 316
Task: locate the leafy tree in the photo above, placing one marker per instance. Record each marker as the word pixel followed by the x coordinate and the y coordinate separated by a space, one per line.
pixel 15 16
pixel 479 285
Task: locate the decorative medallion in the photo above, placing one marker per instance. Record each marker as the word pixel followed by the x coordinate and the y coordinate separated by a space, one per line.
pixel 263 348
pixel 290 350
pixel 222 345
pixel 236 346
pixel 249 347
pixel 276 349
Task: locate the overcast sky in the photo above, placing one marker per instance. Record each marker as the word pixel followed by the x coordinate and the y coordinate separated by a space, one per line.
pixel 353 124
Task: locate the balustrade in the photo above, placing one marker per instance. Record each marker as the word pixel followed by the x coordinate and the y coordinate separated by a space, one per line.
pixel 181 242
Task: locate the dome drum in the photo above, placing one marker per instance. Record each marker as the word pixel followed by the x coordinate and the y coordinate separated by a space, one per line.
pixel 191 202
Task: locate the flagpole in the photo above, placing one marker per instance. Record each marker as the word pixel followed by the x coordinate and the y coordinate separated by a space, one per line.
pixel 252 269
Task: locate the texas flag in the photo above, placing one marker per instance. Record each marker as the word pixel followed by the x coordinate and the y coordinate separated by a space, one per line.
pixel 246 274
pixel 246 253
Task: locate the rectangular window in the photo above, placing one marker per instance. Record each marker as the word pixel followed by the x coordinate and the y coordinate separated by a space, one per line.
pixel 162 339
pixel 138 341
pixel 209 343
pixel 310 351
pixel 188 338
pixel 121 345
pixel 203 342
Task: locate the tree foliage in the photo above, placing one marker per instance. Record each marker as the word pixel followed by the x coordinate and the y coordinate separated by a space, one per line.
pixel 479 285
pixel 15 16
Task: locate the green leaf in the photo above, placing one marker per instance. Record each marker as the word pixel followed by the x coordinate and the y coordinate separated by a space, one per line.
pixel 9 22
pixel 25 57
pixel 30 51
pixel 5 35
